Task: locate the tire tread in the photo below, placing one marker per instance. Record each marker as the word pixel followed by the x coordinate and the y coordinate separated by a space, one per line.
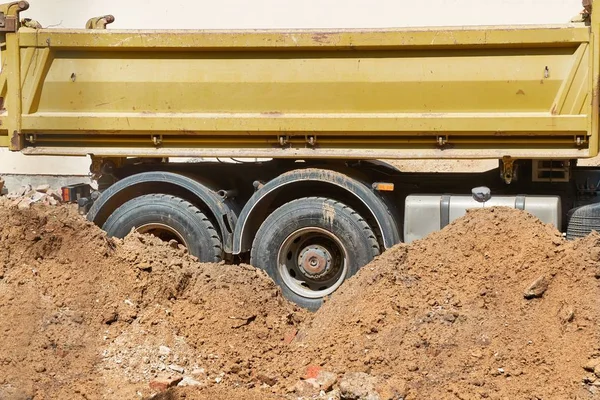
pixel 216 243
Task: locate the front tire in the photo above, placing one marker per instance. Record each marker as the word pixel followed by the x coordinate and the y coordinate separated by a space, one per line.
pixel 310 246
pixel 168 217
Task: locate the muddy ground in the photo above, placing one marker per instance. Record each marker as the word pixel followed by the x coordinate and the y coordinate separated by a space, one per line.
pixel 495 306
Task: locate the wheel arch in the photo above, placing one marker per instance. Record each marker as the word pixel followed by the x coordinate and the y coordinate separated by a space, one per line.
pixel 314 182
pixel 215 208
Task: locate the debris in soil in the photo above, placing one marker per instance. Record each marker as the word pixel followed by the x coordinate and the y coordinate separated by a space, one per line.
pixel 161 384
pixel 359 386
pixel 25 196
pixel 537 288
pixel 445 317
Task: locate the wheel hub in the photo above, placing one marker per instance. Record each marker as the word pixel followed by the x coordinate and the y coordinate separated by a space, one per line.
pixel 312 262
pixel 315 261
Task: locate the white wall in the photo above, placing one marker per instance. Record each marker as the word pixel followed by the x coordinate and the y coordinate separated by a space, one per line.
pixel 211 14
pixel 248 14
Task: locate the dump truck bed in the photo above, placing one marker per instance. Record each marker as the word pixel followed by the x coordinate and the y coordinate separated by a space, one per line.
pixel 482 92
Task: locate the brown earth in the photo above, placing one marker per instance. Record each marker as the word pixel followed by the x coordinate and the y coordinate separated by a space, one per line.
pixel 87 317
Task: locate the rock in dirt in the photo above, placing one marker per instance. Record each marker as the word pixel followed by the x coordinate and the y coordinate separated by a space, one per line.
pixel 326 380
pixel 597 370
pixel 358 386
pixel 591 364
pixel 176 368
pixel 566 314
pixel 312 371
pixel 306 388
pixel 189 381
pixel 267 379
pixel 163 383
pixel 24 203
pixel 537 288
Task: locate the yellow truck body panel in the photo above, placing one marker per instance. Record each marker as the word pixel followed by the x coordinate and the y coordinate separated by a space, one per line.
pixel 480 92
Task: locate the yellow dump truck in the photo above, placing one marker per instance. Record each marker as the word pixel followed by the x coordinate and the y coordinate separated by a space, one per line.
pixel 317 109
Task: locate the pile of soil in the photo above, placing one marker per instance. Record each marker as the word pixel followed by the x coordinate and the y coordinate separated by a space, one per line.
pixel 448 317
pixel 85 316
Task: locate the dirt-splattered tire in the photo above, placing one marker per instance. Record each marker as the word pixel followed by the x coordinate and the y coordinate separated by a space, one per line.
pixel 168 217
pixel 310 246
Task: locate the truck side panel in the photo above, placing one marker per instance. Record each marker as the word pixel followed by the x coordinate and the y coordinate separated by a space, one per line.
pixel 444 93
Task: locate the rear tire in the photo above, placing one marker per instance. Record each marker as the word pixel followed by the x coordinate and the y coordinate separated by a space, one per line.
pixel 310 246
pixel 168 217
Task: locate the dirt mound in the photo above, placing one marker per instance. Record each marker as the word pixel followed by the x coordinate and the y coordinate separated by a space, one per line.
pixel 90 317
pixel 497 305
pixel 447 317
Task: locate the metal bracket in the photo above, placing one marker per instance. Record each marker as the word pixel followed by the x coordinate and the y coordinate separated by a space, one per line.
pixel 31 138
pixel 99 22
pixel 9 15
pixel 508 169
pixel 580 141
pixel 442 141
pixel 311 140
pixel 283 140
pixel 157 140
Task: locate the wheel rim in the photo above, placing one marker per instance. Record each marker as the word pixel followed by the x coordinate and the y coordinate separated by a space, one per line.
pixel 162 231
pixel 312 262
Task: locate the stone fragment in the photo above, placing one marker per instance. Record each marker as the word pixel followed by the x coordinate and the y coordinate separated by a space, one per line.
pixel 163 383
pixel 163 350
pixel 198 372
pixel 597 370
pixel 312 371
pixel 267 379
pixel 176 368
pixel 55 195
pixel 37 196
pixel 144 266
pixel 306 388
pixel 566 314
pixel 358 386
pixel 189 381
pixel 24 204
pixel 42 188
pixel 290 336
pixel 537 288
pixel 326 380
pixel 591 364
